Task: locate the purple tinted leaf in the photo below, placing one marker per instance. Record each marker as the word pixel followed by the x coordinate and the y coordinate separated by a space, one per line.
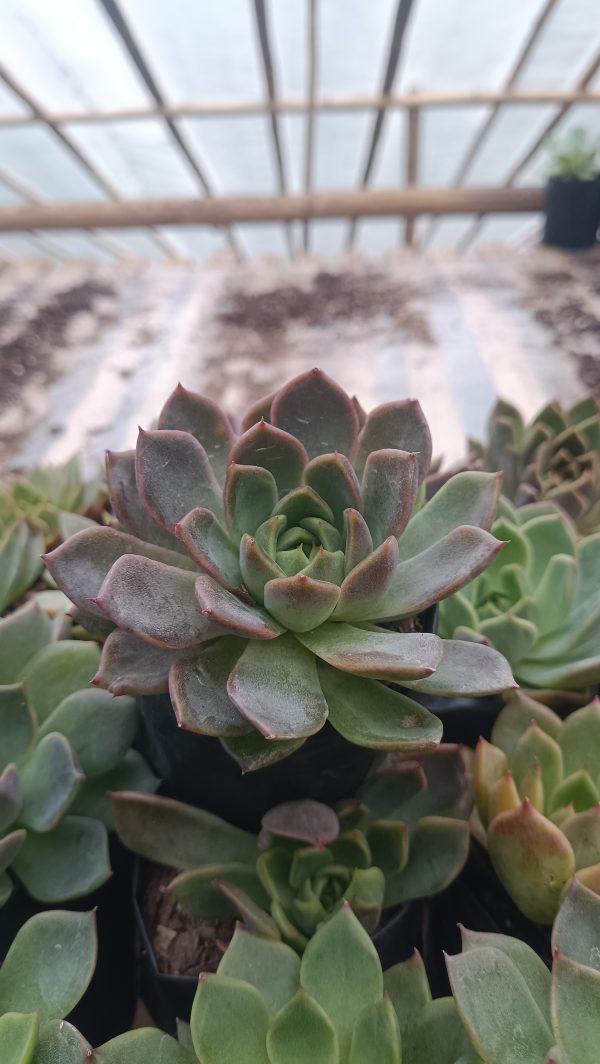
pixel 359 543
pixel 300 603
pixel 315 410
pixel 130 666
pixel 389 488
pixel 127 505
pixel 402 426
pixel 307 821
pixel 198 690
pixel 80 565
pixel 250 496
pixel 276 687
pixel 274 450
pixel 156 602
pixel 205 420
pixel 259 411
pixel 436 573
pixel 239 618
pixel 379 654
pixel 174 476
pixel 333 478
pixel 208 544
pixel 367 582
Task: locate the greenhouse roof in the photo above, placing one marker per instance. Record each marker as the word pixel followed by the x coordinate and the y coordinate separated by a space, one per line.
pixel 137 103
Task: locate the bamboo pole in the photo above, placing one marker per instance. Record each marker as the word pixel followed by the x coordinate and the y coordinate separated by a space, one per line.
pixel 412 166
pixel 408 202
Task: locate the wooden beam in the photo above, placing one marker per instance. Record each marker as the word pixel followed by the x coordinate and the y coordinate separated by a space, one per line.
pixel 408 202
pixel 236 108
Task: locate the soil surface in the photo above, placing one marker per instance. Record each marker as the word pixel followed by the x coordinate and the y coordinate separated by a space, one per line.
pixel 182 945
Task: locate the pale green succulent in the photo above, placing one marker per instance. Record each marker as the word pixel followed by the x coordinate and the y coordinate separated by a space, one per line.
pixel 517 1012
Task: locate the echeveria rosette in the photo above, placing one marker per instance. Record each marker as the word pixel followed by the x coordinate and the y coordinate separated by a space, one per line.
pixel 538 603
pixel 404 836
pixel 267 579
pixel 63 745
pixel 537 792
pixel 514 1009
pixel 556 457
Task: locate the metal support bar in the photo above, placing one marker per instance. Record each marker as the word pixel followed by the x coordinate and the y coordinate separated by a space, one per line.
pixel 484 130
pixel 265 48
pixel 122 27
pixel 309 142
pixel 412 166
pixel 408 202
pixel 402 15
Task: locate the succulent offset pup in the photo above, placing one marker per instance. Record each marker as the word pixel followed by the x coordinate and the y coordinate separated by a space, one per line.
pixel 537 792
pixel 514 1009
pixel 269 580
pixel 404 836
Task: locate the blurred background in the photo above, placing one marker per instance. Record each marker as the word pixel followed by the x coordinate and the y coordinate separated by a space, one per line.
pixel 395 154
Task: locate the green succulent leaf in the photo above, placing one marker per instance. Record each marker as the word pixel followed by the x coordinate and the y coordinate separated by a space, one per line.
pixel 340 969
pixel 208 544
pixel 389 489
pixel 367 582
pixel 67 862
pixel 469 498
pixel 127 505
pixel 376 1033
pixel 278 452
pixel 99 728
pixel 17 725
pixel 401 425
pixel 317 412
pixel 57 671
pixel 488 988
pixel 525 960
pixel 22 634
pixel 302 1031
pixel 576 930
pixel 467 669
pixel 277 689
pixel 576 1009
pixel 50 780
pixel 334 479
pixel 407 986
pixel 359 542
pixel 249 498
pixel 139 1047
pixel 18 1037
pixel 300 603
pixel 199 690
pixel 178 835
pixel 131 774
pixel 190 482
pixel 439 847
pixel 253 751
pixel 37 947
pixel 203 419
pixel 60 1043
pixel 394 723
pixel 229 1021
pixel 378 654
pixel 272 967
pixel 196 892
pixel 10 845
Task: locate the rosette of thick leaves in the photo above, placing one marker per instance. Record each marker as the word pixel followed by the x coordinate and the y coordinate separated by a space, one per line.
pixel 555 457
pixel 538 602
pixel 256 576
pixel 404 836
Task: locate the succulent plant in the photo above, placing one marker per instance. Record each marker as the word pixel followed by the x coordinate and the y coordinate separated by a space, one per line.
pixel 335 1006
pixel 537 792
pixel 538 603
pixel 556 457
pixel 44 975
pixel 514 1009
pixel 63 745
pixel 35 508
pixel 270 580
pixel 405 835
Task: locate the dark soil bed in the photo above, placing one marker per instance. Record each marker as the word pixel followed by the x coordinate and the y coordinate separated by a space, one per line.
pixel 182 945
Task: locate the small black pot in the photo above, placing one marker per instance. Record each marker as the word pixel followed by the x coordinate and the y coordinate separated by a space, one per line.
pixel 170 997
pixel 479 902
pixel 197 770
pixel 572 212
pixel 108 1005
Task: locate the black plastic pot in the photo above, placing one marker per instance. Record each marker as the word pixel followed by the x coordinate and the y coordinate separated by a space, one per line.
pixel 197 770
pixel 572 212
pixel 108 1005
pixel 170 997
pixel 479 902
